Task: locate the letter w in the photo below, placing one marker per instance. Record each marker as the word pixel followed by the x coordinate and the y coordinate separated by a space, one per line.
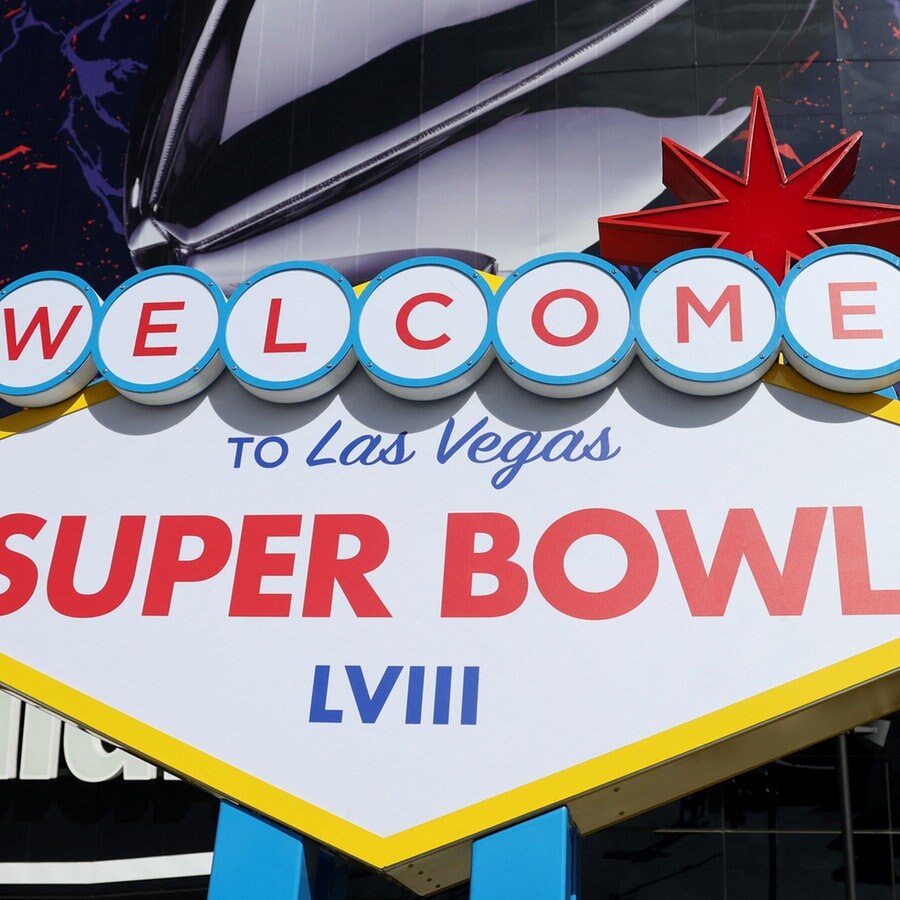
pixel 730 297
pixel 39 322
pixel 783 591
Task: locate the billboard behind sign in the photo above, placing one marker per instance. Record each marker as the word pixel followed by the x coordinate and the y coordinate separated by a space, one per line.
pixel 317 115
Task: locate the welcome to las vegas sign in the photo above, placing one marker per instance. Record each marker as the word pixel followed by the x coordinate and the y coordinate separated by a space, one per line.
pixel 396 625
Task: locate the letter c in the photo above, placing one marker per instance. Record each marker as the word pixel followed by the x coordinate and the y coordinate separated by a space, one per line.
pixel 406 311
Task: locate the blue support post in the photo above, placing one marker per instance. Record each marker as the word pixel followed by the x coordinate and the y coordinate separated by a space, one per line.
pixel 255 858
pixel 534 860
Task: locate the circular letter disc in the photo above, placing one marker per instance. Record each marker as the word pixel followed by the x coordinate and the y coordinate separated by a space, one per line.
pixel 707 322
pixel 287 332
pixel 158 338
pixel 842 318
pixel 423 328
pixel 47 322
pixel 563 326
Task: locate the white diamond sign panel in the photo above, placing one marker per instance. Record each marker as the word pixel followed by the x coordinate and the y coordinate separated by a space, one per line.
pixel 395 625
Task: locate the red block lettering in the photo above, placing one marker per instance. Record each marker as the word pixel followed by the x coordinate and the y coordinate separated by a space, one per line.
pixel 462 561
pixel 18 568
pixel 591 318
pixel 686 299
pixel 707 594
pixel 839 310
pixel 40 322
pixel 326 568
pixel 406 311
pixel 858 597
pixel 636 584
pixel 146 328
pixel 167 568
pixel 61 592
pixel 254 562
pixel 272 344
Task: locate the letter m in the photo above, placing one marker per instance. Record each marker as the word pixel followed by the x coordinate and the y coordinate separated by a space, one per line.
pixel 686 299
pixel 40 322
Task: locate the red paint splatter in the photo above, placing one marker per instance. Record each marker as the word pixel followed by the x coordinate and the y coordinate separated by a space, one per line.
pixel 14 152
pixel 42 165
pixel 12 12
pixel 785 150
pixel 788 152
pixel 809 61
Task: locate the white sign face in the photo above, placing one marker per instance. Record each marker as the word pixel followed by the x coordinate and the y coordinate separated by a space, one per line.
pixel 315 609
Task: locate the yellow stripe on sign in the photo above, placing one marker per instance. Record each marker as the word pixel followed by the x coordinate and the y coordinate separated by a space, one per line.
pixel 783 376
pixel 27 419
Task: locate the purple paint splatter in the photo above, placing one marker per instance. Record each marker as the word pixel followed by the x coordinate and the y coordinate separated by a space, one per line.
pixel 94 82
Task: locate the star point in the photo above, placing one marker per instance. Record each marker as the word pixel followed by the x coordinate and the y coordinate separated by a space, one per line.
pixel 773 218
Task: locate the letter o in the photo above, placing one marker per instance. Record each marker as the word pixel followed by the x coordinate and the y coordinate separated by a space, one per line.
pixel 635 585
pixel 591 317
pixel 562 325
pixel 275 461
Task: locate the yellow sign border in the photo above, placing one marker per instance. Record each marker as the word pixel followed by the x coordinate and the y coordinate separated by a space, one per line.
pixel 478 818
pixel 459 827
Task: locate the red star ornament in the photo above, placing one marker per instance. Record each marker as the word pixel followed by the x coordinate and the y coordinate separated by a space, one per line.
pixel 773 219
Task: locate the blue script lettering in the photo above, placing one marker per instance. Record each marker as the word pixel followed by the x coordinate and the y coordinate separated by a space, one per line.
pixel 482 446
pixel 365 450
